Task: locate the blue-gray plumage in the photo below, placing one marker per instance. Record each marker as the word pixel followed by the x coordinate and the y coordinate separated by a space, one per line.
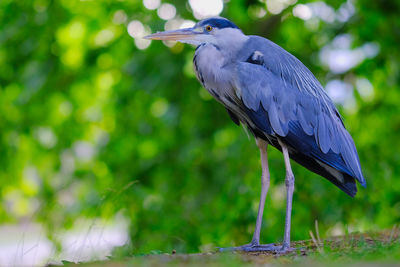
pixel 280 101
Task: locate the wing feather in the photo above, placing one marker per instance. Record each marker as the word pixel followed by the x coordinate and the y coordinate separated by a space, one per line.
pixel 279 108
pixel 306 125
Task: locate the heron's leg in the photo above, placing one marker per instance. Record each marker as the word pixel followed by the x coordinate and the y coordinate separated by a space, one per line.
pixel 289 181
pixel 265 177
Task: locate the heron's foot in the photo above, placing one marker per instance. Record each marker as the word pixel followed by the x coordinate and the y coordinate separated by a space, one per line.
pixel 253 248
pixel 285 249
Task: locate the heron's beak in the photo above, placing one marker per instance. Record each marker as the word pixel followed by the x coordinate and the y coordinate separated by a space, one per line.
pixel 176 35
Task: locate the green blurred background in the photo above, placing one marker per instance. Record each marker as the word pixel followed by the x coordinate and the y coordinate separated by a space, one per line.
pixel 95 121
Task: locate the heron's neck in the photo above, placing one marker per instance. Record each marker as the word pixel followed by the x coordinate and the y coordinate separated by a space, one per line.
pixel 230 41
pixel 210 58
pixel 212 61
pixel 208 62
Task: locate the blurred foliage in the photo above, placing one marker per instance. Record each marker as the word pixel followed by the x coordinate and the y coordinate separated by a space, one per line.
pixel 91 126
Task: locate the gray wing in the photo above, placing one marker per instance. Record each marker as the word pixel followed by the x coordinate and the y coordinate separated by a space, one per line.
pixel 281 96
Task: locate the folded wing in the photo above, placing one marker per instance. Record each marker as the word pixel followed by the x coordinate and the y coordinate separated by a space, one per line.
pixel 283 103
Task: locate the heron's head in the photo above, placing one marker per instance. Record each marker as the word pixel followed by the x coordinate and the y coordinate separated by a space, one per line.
pixel 217 31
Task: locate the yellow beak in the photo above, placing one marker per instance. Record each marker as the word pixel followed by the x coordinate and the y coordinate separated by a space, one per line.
pixel 176 35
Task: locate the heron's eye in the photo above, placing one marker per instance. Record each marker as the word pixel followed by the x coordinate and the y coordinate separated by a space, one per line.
pixel 208 28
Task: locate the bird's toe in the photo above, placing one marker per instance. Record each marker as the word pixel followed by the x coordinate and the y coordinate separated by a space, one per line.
pixel 253 248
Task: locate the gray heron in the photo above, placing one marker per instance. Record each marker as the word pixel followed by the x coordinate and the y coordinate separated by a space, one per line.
pixel 279 100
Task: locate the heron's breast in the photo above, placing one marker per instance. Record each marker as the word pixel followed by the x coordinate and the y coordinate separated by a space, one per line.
pixel 209 65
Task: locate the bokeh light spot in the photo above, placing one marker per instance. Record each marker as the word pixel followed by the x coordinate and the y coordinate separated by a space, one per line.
pixel 135 28
pixel 104 37
pixel 142 43
pixel 73 57
pixel 73 33
pixel 104 81
pixel 31 182
pixel 365 88
pixel 166 11
pixel 84 151
pixel 151 4
pixel 46 137
pixel 256 11
pixel 275 7
pixel 302 11
pixel 65 108
pixel 187 24
pixel 119 17
pixel 159 107
pixel 206 8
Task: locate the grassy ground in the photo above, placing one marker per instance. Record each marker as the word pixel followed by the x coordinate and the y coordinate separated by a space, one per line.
pixel 373 249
